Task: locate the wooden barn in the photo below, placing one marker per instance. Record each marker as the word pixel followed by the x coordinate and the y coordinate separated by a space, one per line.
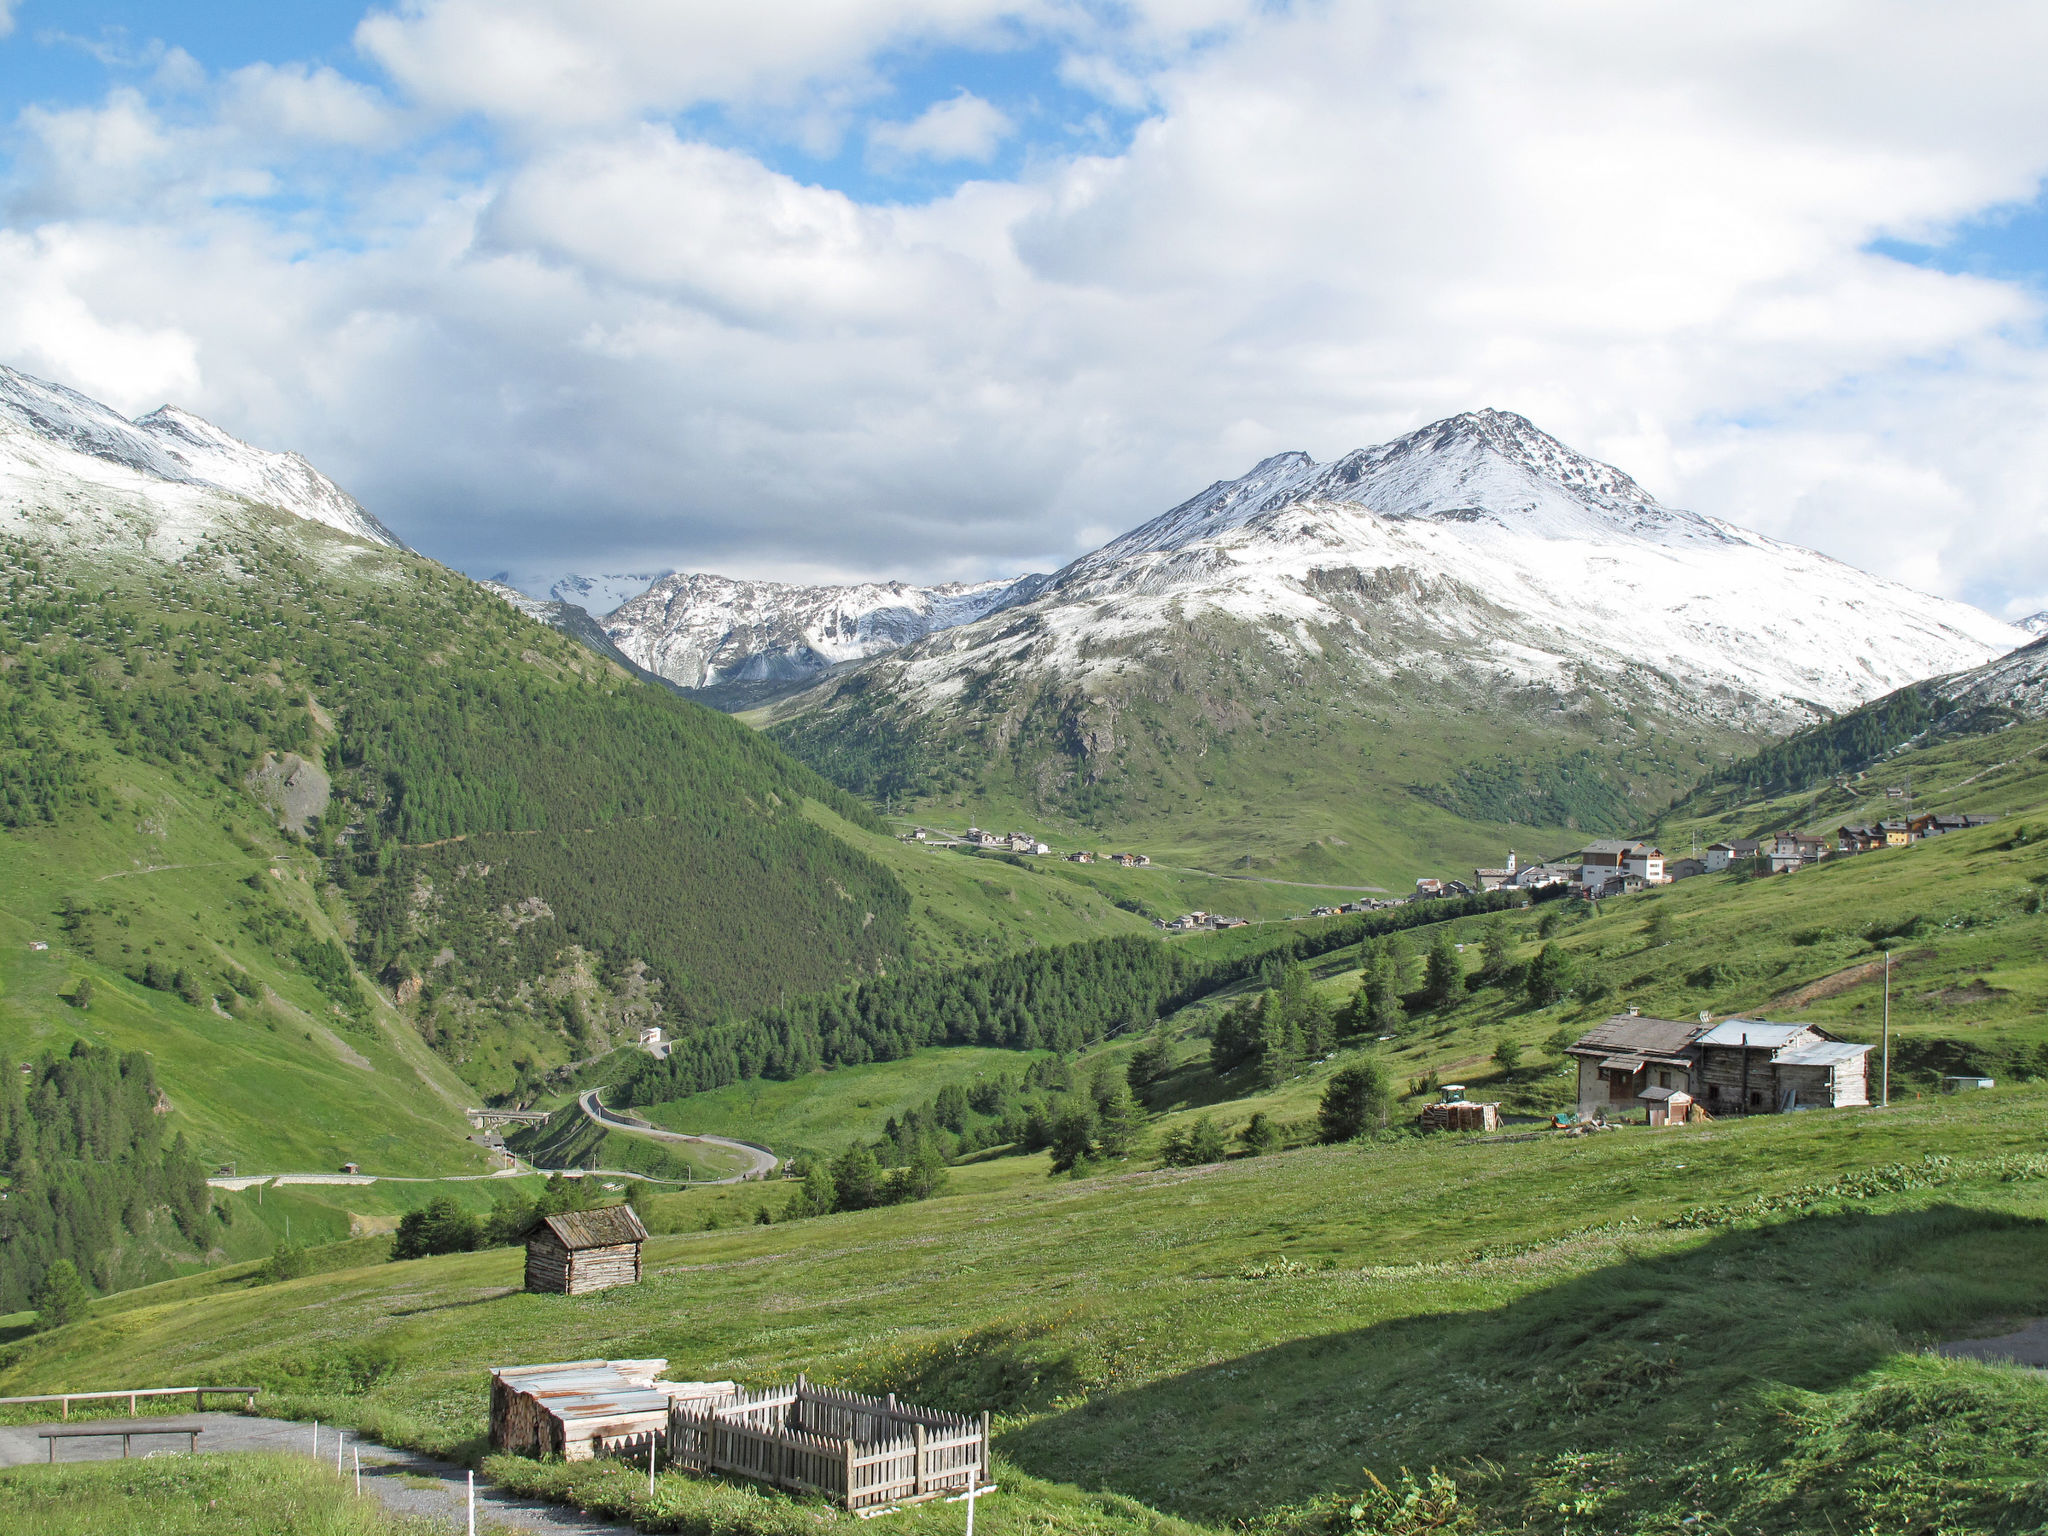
pixel 577 1252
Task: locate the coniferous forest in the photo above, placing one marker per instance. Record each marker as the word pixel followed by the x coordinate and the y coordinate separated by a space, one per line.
pixel 89 1165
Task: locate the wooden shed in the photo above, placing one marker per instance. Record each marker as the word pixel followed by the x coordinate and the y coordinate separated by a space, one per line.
pixel 578 1409
pixel 577 1252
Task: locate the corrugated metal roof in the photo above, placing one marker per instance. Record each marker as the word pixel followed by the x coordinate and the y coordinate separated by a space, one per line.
pixel 596 1229
pixel 587 1389
pixel 1758 1034
pixel 1821 1053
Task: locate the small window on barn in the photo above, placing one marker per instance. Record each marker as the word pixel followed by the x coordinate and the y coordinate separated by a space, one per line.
pixel 1756 1096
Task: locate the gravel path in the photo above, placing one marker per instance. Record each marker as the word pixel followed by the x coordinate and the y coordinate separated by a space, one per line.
pixel 404 1481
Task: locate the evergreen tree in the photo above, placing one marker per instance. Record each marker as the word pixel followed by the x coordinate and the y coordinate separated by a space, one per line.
pixel 1444 977
pixel 1280 1043
pixel 1152 1060
pixel 61 1297
pixel 1496 954
pixel 441 1226
pixel 1073 1138
pixel 1507 1055
pixel 1259 1135
pixel 1551 975
pixel 856 1180
pixel 1190 1145
pixel 1118 1125
pixel 1355 1101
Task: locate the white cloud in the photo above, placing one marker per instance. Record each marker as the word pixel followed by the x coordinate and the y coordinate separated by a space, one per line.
pixel 315 104
pixel 963 128
pixel 574 62
pixel 1646 226
pixel 6 17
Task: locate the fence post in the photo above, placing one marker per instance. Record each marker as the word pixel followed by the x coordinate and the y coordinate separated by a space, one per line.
pixel 917 1475
pixel 849 1473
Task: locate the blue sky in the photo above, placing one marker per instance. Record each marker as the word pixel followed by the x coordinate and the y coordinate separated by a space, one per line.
pixel 953 288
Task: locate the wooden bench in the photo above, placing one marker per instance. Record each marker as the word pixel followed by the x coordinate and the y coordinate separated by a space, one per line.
pixel 127 1429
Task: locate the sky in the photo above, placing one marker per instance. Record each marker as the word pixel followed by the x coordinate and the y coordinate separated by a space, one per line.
pixel 949 289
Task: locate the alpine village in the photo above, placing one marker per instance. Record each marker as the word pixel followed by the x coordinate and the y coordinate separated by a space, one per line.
pixel 1422 988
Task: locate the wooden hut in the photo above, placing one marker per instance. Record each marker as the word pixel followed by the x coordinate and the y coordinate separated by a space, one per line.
pixel 577 1252
pixel 578 1409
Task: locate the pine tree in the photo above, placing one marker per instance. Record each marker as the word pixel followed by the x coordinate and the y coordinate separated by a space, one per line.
pixel 1550 976
pixel 1259 1135
pixel 1120 1121
pixel 60 1297
pixel 1355 1101
pixel 1495 952
pixel 1444 978
pixel 1073 1138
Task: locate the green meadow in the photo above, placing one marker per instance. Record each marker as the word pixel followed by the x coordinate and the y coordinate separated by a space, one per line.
pixel 1721 1323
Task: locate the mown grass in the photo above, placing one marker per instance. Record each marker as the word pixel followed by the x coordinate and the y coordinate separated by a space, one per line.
pixel 257 1493
pixel 1239 1342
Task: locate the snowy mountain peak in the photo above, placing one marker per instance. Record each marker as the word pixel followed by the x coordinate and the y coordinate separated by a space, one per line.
pixel 702 630
pixel 1489 468
pixel 177 446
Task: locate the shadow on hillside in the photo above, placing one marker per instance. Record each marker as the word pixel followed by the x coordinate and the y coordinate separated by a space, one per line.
pixel 1641 1352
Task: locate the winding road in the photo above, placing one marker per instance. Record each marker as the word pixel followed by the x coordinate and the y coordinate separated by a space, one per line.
pixel 762 1162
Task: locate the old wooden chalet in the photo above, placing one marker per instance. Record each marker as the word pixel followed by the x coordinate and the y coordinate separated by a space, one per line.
pixel 1628 1054
pixel 576 1252
pixel 1633 1065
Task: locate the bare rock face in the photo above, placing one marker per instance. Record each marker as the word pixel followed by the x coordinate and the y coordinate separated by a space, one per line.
pixel 295 790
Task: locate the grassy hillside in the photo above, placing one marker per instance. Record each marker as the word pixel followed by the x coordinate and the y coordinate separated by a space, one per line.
pixel 826 1111
pixel 1211 748
pixel 1617 1333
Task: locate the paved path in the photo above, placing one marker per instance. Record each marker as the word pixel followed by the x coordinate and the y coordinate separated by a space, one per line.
pixel 762 1162
pixel 405 1482
pixel 2029 1346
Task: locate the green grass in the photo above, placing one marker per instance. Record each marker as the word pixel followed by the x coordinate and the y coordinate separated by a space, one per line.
pixel 248 1494
pixel 573 1140
pixel 963 910
pixel 1239 1342
pixel 828 1111
pixel 289 1086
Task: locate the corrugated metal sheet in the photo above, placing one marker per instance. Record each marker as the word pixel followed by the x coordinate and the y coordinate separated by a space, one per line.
pixel 1821 1053
pixel 585 1389
pixel 597 1229
pixel 1758 1034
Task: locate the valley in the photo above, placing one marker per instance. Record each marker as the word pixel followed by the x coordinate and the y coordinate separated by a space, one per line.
pixel 311 846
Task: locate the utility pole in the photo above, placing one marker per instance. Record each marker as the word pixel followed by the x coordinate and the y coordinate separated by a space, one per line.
pixel 1885 1098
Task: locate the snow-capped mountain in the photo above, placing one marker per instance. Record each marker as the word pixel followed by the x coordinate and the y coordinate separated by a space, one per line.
pixel 701 630
pixel 2033 623
pixel 599 595
pixel 1474 582
pixel 46 428
pixel 1497 542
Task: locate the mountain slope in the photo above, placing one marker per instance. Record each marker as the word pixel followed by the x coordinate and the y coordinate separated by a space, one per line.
pixel 1474 617
pixel 299 805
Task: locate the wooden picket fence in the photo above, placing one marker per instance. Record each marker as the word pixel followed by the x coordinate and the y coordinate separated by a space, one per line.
pixel 862 1452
